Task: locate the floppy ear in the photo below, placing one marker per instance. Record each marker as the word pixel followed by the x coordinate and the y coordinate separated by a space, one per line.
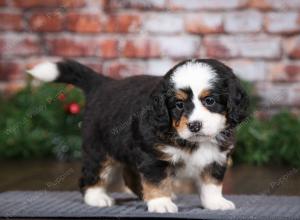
pixel 161 116
pixel 238 102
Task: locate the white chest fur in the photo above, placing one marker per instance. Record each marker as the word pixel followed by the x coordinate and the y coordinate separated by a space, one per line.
pixel 206 154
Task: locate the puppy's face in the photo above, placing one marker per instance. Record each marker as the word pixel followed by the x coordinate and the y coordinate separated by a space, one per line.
pixel 206 97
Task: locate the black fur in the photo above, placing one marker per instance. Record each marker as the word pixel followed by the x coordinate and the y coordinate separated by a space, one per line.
pixel 217 171
pixel 79 75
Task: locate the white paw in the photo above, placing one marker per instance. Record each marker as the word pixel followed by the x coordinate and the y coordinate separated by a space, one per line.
pixel 162 205
pixel 217 203
pixel 97 197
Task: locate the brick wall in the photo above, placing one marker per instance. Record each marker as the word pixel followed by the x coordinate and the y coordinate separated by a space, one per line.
pixel 258 38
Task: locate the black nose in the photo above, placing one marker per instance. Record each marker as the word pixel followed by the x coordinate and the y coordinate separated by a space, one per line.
pixel 195 126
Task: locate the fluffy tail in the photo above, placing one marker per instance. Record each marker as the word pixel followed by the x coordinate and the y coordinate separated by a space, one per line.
pixel 67 71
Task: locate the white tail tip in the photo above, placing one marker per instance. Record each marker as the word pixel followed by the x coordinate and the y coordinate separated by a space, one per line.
pixel 46 71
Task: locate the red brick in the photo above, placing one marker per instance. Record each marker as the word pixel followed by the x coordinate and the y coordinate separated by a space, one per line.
pixel 292 47
pixel 133 4
pixel 204 23
pixel 71 3
pixel 260 4
pixel 10 70
pixel 11 87
pixel 119 70
pixel 71 47
pixel 275 4
pixel 2 45
pixel 284 72
pixel 206 4
pixel 283 22
pixel 141 48
pixel 83 46
pixel 11 21
pixel 85 23
pixel 2 3
pixel 94 64
pixel 114 70
pixel 19 45
pixel 35 3
pixel 216 49
pixel 123 23
pixel 46 22
pixel 164 46
pixel 243 46
pixel 293 71
pixel 107 48
pixel 49 3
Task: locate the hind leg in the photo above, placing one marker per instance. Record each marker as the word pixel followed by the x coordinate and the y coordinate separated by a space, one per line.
pixel 96 176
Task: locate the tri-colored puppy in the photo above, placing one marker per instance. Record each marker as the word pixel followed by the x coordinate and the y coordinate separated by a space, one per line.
pixel 156 128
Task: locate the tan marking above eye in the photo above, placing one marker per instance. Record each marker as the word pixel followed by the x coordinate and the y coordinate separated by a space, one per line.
pixel 181 95
pixel 204 94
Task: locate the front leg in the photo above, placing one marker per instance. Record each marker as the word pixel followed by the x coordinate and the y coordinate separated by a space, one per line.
pixel 210 188
pixel 158 200
pixel 156 186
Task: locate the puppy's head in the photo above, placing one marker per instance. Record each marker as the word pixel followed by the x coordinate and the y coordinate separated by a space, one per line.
pixel 200 98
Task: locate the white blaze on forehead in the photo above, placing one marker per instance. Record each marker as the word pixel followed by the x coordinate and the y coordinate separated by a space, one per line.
pixel 197 76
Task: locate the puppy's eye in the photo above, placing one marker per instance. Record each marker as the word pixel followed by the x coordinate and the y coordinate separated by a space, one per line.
pixel 209 101
pixel 179 105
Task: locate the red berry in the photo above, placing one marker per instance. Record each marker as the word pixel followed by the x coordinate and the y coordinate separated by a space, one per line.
pixel 61 97
pixel 74 108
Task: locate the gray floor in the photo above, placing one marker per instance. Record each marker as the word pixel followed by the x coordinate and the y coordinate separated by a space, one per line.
pixel 45 204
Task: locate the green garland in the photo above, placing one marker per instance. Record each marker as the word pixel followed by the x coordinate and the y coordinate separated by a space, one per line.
pixel 272 141
pixel 37 123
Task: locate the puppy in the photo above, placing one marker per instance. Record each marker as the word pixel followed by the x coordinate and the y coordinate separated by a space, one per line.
pixel 181 124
